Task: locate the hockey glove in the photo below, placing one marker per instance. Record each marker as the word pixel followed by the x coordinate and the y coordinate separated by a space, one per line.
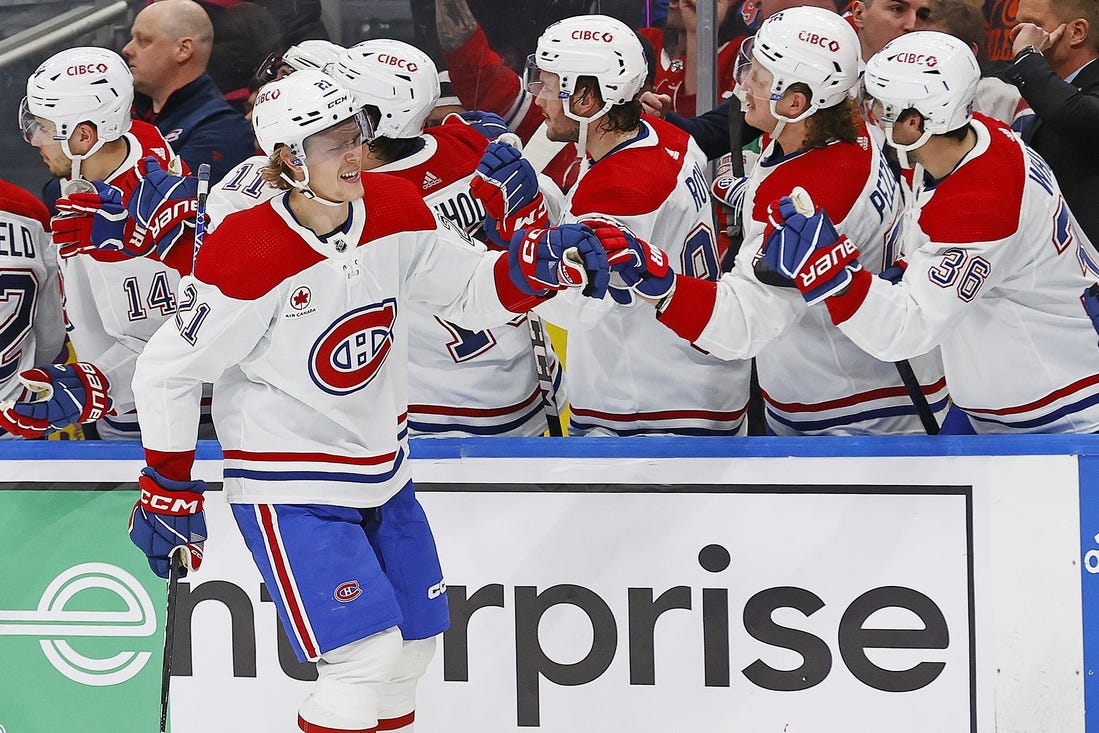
pixel 895 272
pixel 568 256
pixel 507 186
pixel 639 265
pixel 90 221
pixel 168 516
pixel 163 207
pixel 489 124
pixel 1090 299
pixel 730 190
pixel 56 396
pixel 806 248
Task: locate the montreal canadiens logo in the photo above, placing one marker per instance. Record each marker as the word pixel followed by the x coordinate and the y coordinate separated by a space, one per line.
pixel 350 353
pixel 347 592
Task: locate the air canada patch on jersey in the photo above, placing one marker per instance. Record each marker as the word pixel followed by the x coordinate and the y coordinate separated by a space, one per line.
pixel 349 354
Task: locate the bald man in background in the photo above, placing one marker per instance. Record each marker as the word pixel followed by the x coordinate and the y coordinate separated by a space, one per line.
pixel 168 52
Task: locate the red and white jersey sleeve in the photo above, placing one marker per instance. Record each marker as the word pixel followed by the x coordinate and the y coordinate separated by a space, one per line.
pixel 31 327
pixel 996 268
pixel 114 302
pixel 463 382
pixel 306 342
pixel 626 373
pixel 242 188
pixel 814 379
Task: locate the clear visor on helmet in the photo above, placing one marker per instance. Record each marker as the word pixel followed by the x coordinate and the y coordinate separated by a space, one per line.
pixel 878 112
pixel 273 68
pixel 32 126
pixel 752 78
pixel 534 83
pixel 338 140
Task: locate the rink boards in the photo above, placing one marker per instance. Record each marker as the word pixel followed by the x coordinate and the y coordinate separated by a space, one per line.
pixel 655 584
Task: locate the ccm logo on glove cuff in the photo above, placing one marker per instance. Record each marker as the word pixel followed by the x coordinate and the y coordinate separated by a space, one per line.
pixel 175 503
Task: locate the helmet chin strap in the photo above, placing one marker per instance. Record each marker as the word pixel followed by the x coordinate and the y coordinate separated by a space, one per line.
pixel 309 193
pixel 783 120
pixel 78 159
pixel 902 150
pixel 582 139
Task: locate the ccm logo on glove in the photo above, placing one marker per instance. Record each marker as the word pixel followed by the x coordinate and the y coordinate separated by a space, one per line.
pixel 188 503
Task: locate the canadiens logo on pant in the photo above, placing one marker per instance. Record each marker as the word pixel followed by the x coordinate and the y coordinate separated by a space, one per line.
pixel 351 352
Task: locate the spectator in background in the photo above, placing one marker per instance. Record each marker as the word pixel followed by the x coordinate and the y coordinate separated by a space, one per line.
pixel 244 35
pixel 963 20
pixel 880 21
pixel 1056 44
pixel 168 52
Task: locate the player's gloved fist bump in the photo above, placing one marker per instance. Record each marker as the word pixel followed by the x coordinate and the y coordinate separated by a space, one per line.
pixel 805 248
pixel 169 515
pixel 90 221
pixel 641 266
pixel 161 206
pixel 489 124
pixel 544 260
pixel 56 396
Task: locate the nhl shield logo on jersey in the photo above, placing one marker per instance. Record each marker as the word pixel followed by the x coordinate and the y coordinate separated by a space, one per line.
pixel 349 354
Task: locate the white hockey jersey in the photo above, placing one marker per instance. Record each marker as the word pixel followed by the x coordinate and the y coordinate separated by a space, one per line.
pixel 460 382
pixel 114 302
pixel 814 379
pixel 32 330
pixel 306 343
pixel 628 374
pixel 996 268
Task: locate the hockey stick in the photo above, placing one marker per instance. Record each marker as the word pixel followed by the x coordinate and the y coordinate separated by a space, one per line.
pixel 200 210
pixel 175 565
pixel 538 343
pixel 736 162
pixel 915 393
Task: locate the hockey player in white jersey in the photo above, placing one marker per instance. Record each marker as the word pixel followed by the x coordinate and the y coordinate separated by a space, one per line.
pixel 33 330
pixel 996 262
pixel 77 113
pixel 626 374
pixel 796 75
pixel 461 382
pixel 296 312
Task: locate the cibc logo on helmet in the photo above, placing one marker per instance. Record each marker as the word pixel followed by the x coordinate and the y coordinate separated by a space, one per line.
pixel 907 57
pixel 268 95
pixel 387 59
pixel 80 69
pixel 815 39
pixel 583 35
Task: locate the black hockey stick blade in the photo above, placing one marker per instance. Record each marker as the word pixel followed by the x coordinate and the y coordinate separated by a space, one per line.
pixel 175 567
pixel 545 375
pixel 927 417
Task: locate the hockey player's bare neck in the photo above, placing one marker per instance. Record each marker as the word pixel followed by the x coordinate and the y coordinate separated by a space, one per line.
pixel 941 154
pixel 101 164
pixel 321 218
pixel 602 140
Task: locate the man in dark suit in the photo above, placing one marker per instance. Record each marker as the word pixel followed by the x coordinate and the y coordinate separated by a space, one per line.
pixel 1056 44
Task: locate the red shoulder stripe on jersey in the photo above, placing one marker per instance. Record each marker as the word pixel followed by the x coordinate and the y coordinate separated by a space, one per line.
pixel 393 205
pixel 834 176
pixel 22 202
pixel 251 253
pixel 981 201
pixel 632 181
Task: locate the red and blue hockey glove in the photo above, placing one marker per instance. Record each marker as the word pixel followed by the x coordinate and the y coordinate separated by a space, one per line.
pixel 507 186
pixel 1090 299
pixel 895 272
pixel 56 396
pixel 90 221
pixel 489 124
pixel 805 248
pixel 163 207
pixel 640 266
pixel 168 516
pixel 568 256
pixel 730 190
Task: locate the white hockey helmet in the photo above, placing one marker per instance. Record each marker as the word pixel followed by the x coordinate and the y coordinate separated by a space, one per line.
pixel 590 45
pixel 804 45
pixel 312 54
pixel 400 80
pixel 934 73
pixel 289 110
pixel 84 84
